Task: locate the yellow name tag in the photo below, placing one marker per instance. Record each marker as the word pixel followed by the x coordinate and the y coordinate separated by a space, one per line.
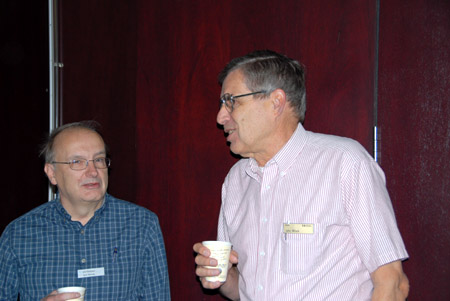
pixel 298 228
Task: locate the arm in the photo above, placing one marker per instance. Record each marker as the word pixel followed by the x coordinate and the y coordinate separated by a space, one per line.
pixel 390 283
pixel 9 278
pixel 230 288
pixel 155 275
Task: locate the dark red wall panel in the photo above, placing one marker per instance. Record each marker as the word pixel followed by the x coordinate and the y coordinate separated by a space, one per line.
pixel 98 50
pixel 414 116
pixel 336 43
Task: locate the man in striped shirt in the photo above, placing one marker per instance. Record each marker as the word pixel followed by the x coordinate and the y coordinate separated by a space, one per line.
pixel 308 214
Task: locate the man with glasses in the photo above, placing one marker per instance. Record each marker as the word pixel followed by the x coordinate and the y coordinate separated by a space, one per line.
pixel 85 237
pixel 308 215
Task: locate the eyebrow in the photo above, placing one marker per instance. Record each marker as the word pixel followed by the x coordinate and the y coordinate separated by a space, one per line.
pixel 83 157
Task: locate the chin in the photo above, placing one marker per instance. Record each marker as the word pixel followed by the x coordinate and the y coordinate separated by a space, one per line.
pixel 95 197
pixel 238 152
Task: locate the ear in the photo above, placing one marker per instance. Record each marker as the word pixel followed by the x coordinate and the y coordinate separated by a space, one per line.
pixel 50 171
pixel 278 100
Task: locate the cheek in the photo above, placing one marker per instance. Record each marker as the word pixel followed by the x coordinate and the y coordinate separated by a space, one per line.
pixel 248 126
pixel 105 177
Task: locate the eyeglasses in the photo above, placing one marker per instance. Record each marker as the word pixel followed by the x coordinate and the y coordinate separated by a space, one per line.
pixel 228 100
pixel 80 164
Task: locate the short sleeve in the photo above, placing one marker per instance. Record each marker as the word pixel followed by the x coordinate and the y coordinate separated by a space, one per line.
pixel 371 215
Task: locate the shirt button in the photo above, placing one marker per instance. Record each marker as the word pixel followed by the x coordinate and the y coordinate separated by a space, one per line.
pixel 264 220
pixel 283 173
pixel 83 260
pixel 260 287
pixel 268 187
pixel 82 232
pixel 262 253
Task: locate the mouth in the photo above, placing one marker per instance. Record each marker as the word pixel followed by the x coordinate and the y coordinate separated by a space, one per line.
pixel 229 131
pixel 91 185
pixel 228 134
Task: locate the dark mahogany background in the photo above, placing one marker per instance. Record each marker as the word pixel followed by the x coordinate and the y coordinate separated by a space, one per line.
pixel 147 71
pixel 414 115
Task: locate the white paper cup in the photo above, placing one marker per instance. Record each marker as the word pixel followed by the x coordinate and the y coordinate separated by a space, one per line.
pixel 220 250
pixel 73 289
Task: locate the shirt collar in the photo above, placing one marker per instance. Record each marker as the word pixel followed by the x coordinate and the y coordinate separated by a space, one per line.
pixel 66 216
pixel 286 155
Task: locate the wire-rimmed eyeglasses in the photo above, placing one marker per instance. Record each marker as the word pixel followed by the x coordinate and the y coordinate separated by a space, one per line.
pixel 80 164
pixel 228 100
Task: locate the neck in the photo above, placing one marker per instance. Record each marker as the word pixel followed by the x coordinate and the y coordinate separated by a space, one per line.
pixel 82 212
pixel 277 142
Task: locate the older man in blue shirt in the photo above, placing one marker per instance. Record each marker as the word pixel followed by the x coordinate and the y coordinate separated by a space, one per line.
pixel 85 237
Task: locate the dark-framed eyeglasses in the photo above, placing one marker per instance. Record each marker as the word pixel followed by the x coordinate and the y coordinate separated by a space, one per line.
pixel 228 100
pixel 80 164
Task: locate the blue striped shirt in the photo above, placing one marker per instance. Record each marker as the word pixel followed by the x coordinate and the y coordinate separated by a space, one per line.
pixel 44 250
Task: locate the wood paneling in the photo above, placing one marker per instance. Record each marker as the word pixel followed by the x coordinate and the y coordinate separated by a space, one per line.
pixel 414 115
pixel 98 49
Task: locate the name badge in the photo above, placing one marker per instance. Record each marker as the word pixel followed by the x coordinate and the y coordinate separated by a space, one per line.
pixel 86 273
pixel 298 228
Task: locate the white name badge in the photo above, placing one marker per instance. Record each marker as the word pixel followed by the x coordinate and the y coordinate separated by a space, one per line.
pixel 298 228
pixel 86 273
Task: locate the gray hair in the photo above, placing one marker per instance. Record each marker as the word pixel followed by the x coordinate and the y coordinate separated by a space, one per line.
pixel 47 150
pixel 268 70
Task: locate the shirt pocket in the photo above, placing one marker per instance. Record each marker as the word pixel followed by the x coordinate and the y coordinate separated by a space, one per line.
pixel 300 253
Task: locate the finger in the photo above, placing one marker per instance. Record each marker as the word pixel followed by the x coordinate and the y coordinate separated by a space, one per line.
pixel 210 284
pixel 197 247
pixel 55 292
pixel 68 296
pixel 204 272
pixel 205 261
pixel 234 257
pixel 61 297
pixel 201 249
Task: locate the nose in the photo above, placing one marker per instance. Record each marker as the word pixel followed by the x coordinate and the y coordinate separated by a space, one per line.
pixel 91 170
pixel 223 115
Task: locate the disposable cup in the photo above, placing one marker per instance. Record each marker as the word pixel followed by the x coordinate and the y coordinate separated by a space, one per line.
pixel 220 250
pixel 73 289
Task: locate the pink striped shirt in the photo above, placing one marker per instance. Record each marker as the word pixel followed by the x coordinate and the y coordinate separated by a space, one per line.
pixel 330 191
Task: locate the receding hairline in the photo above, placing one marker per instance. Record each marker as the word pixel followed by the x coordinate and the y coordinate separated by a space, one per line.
pixel 59 142
pixel 76 129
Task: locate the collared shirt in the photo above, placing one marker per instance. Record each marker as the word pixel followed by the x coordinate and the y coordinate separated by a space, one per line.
pixel 118 255
pixel 312 224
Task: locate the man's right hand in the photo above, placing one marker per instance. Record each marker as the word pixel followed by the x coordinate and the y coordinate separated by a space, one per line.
pixel 202 260
pixel 54 296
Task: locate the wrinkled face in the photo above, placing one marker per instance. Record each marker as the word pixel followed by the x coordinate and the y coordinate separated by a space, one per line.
pixel 248 126
pixel 78 186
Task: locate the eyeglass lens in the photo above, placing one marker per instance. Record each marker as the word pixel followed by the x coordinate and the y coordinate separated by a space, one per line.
pixel 80 164
pixel 228 101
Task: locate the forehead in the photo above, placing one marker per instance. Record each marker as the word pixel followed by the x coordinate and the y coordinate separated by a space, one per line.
pixel 234 83
pixel 78 140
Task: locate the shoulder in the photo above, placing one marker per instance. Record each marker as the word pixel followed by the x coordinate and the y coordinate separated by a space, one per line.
pixel 129 211
pixel 348 148
pixel 239 166
pixel 237 173
pixel 37 215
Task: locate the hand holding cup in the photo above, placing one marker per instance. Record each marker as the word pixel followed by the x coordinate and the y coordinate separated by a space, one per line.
pixel 207 265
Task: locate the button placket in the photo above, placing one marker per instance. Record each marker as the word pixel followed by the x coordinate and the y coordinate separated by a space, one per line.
pixel 266 195
pixel 82 246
